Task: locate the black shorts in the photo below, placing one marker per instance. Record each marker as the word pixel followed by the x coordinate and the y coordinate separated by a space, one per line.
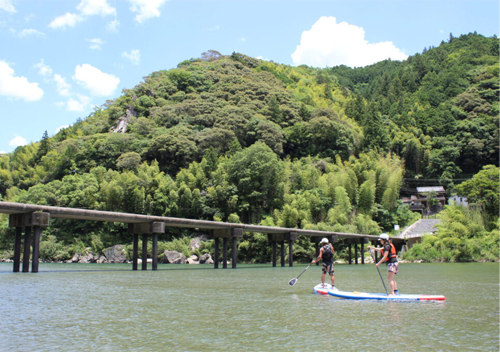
pixel 328 268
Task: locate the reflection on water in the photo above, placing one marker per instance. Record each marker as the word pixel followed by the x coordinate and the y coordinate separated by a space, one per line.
pixel 184 308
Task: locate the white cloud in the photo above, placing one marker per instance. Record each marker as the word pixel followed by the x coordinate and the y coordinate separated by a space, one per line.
pixel 43 70
pixel 95 43
pixel 6 5
pixel 76 102
pixel 18 141
pixel 27 32
pixel 113 26
pixel 86 8
pixel 63 88
pixel 96 81
pixel 146 9
pixel 95 7
pixel 80 104
pixel 17 87
pixel 2 152
pixel 134 56
pixel 66 20
pixel 60 128
pixel 329 44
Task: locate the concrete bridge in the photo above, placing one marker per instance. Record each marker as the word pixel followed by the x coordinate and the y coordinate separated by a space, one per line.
pixel 33 218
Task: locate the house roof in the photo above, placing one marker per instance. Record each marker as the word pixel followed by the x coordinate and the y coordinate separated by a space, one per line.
pixel 438 189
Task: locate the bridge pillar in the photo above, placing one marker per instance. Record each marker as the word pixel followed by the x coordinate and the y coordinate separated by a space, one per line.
pixel 29 221
pixel 27 249
pixel 144 256
pixel 17 248
pixel 291 236
pixel 146 228
pixel 155 252
pixel 226 234
pixel 274 238
pixel 135 249
pixel 224 253
pixel 356 252
pixel 216 254
pixel 282 242
pixel 235 253
pixel 350 251
pixel 37 233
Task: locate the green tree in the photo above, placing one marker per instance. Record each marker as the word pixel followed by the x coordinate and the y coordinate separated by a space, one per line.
pixel 257 173
pixel 128 161
pixel 391 194
pixel 366 197
pixel 274 110
pixel 483 189
pixel 43 147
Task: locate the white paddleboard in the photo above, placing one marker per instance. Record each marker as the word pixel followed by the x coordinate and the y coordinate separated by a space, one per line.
pixel 384 297
pixel 323 289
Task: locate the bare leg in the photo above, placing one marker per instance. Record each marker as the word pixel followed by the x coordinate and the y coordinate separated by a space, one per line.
pixel 323 279
pixel 392 283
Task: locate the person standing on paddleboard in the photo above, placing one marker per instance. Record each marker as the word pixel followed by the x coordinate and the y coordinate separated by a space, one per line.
pixel 326 254
pixel 388 255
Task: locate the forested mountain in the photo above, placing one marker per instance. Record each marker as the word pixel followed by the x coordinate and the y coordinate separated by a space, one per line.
pixel 234 138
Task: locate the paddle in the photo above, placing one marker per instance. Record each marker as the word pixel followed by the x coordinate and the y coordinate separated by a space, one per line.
pixel 292 282
pixel 379 274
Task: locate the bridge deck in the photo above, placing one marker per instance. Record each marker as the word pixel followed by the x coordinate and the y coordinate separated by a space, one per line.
pixel 38 216
pixel 108 216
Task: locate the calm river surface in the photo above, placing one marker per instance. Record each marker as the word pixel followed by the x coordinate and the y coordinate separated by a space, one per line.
pixel 108 307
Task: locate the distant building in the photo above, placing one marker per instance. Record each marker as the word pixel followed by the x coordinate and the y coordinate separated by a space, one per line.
pixel 458 200
pixel 427 200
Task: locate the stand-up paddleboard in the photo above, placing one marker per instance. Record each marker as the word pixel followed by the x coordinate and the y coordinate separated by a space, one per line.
pixel 323 289
pixel 384 297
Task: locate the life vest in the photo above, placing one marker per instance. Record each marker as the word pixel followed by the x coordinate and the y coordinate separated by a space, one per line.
pixel 327 253
pixel 392 253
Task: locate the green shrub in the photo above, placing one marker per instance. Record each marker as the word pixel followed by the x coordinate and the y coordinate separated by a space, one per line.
pixel 50 249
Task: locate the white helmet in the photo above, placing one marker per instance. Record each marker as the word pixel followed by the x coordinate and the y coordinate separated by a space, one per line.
pixel 384 236
pixel 324 240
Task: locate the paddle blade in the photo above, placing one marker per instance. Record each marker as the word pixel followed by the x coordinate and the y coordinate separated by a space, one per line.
pixel 292 282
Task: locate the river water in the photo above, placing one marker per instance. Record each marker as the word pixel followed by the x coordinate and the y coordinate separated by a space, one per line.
pixel 109 307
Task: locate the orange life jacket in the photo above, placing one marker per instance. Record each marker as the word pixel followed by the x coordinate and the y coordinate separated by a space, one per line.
pixel 392 253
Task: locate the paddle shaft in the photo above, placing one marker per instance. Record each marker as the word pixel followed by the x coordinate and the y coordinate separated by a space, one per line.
pixel 304 271
pixel 379 274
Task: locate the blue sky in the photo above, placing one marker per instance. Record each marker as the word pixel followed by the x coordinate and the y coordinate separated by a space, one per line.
pixel 61 58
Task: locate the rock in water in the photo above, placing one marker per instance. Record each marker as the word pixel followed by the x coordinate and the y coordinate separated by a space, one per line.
pixel 206 259
pixel 116 254
pixel 196 242
pixel 174 257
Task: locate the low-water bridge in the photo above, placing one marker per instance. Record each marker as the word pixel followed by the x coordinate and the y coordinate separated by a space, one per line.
pixel 30 217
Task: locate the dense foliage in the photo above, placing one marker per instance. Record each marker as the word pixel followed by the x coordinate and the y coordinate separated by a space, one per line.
pixel 467 235
pixel 233 138
pixel 462 237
